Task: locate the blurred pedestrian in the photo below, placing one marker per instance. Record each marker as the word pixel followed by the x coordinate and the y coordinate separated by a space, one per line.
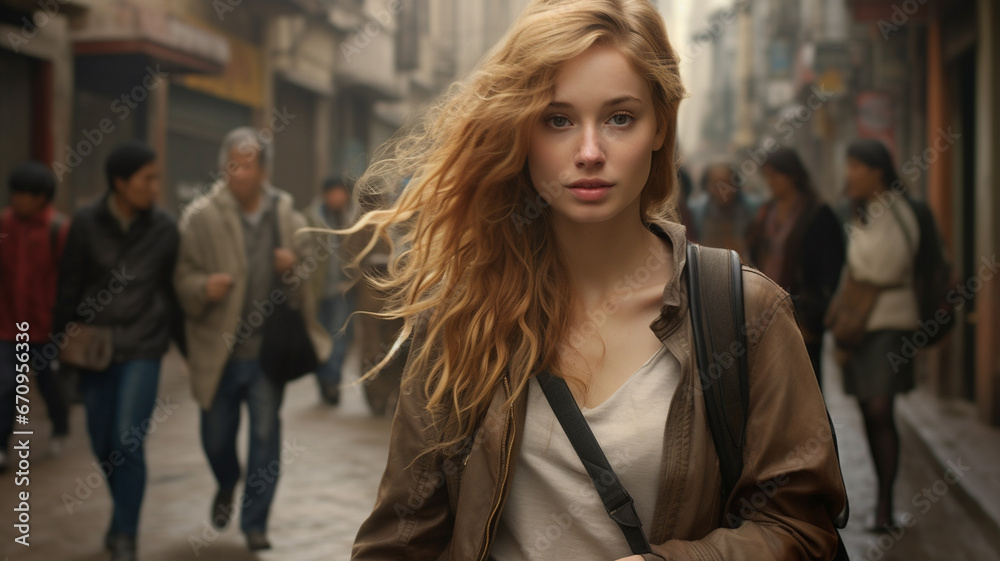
pixel 237 258
pixel 684 201
pixel 798 242
pixel 723 213
pixel 881 250
pixel 578 102
pixel 32 238
pixel 115 273
pixel 333 209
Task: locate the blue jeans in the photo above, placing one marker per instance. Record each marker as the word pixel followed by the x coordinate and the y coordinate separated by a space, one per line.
pixel 332 314
pixel 245 380
pixel 45 381
pixel 119 404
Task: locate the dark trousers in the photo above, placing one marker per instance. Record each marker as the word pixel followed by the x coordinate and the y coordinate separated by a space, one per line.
pixel 45 381
pixel 245 381
pixel 332 314
pixel 119 404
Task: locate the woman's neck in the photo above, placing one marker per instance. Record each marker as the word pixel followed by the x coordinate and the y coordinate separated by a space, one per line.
pixel 599 256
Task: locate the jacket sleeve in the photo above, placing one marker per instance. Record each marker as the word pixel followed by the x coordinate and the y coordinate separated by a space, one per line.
pixel 412 518
pixel 191 272
pixel 791 488
pixel 302 243
pixel 73 269
pixel 177 331
pixel 822 261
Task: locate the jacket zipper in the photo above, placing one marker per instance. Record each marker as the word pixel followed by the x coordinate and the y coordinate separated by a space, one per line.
pixel 507 432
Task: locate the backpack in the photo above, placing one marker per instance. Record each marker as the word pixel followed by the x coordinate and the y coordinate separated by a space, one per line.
pixel 933 277
pixel 715 294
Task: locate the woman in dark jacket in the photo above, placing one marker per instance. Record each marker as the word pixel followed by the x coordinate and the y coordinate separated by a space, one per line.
pixel 116 272
pixel 797 241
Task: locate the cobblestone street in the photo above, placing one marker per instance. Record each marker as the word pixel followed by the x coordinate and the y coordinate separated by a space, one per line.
pixel 334 458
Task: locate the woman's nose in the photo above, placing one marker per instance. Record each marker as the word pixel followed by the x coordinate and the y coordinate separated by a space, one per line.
pixel 591 150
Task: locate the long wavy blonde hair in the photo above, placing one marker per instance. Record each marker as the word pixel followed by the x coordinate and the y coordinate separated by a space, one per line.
pixel 476 261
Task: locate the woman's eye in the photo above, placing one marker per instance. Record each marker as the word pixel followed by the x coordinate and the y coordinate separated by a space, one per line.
pixel 621 119
pixel 559 121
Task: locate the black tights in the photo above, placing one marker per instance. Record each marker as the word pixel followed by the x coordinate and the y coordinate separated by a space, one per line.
pixel 883 440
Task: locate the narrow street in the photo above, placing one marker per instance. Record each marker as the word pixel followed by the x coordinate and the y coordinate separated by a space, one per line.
pixel 332 462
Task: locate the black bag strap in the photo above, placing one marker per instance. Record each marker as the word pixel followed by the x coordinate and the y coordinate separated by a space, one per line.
pixel 715 296
pixel 616 499
pixel 718 322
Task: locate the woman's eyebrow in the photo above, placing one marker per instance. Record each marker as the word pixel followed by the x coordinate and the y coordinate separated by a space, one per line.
pixel 610 103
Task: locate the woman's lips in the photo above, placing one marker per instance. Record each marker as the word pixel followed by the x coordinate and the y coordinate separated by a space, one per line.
pixel 590 190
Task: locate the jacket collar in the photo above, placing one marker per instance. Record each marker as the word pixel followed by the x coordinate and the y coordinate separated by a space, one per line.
pixel 675 298
pixel 142 217
pixel 230 204
pixel 40 218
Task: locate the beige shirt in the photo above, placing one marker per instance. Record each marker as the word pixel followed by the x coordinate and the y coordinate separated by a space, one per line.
pixel 879 253
pixel 554 511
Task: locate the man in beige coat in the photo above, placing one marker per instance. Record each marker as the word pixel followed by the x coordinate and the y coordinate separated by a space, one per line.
pixel 236 250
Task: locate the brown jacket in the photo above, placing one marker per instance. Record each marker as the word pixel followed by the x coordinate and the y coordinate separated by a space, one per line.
pixel 446 506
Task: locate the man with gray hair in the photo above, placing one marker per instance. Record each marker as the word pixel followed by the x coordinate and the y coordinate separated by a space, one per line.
pixel 238 248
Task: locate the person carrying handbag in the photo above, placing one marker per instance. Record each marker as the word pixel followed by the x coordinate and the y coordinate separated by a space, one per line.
pixel 876 307
pixel 250 323
pixel 115 291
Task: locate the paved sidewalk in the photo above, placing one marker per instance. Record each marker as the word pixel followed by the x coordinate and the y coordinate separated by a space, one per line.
pixel 335 459
pixel 334 456
pixel 942 526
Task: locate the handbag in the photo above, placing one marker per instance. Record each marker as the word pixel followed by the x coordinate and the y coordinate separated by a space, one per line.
pixel 90 349
pixel 849 311
pixel 287 352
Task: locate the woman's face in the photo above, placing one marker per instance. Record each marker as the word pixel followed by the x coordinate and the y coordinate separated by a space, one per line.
pixel 780 184
pixel 862 181
pixel 592 148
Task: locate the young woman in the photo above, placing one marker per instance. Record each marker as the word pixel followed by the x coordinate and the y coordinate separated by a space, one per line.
pixel 539 236
pixel 881 250
pixel 798 243
pixel 116 272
